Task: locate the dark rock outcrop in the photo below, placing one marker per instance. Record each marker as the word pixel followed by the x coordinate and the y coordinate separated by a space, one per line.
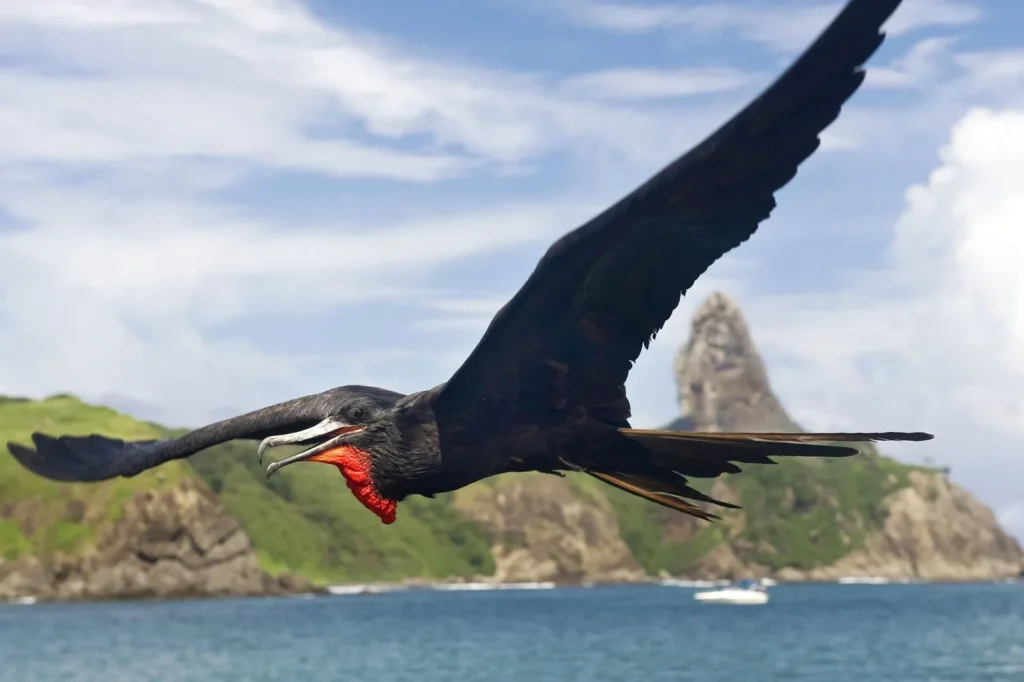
pixel 543 530
pixel 178 542
pixel 934 530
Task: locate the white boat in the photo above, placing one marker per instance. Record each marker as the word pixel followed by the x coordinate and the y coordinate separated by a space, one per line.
pixel 747 592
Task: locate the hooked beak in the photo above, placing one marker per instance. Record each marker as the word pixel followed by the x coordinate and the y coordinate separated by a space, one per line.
pixel 329 427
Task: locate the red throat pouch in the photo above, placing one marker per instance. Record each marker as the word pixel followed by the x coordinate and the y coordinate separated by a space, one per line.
pixel 354 465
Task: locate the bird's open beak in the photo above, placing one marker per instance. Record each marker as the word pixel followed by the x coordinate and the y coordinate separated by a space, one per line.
pixel 335 429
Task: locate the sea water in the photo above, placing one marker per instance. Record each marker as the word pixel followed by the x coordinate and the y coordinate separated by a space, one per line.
pixel 826 633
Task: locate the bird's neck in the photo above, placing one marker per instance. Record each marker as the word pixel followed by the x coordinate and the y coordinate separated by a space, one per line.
pixel 431 466
pixel 410 457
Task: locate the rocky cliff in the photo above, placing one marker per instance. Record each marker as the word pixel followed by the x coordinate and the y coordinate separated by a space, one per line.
pixel 933 530
pixel 545 530
pixel 721 381
pixel 176 542
pixel 923 526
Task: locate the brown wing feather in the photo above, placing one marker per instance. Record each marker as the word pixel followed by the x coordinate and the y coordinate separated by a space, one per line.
pixel 622 482
pixel 783 437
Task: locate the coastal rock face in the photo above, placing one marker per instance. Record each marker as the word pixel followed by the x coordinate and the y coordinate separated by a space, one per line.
pixel 543 530
pixel 932 528
pixel 178 542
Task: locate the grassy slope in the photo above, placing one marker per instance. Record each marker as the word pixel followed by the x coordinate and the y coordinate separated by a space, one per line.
pixel 798 513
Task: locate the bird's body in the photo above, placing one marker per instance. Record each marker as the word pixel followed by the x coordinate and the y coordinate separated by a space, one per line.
pixel 544 390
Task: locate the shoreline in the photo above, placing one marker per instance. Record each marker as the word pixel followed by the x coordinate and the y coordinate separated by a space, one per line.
pixel 462 585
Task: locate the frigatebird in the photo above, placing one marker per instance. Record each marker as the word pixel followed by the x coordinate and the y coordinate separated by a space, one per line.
pixel 544 389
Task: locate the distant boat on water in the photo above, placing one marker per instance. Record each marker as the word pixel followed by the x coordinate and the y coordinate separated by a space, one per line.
pixel 744 592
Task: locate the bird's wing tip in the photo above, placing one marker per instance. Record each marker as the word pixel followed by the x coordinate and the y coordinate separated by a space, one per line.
pixel 18 450
pixel 49 460
pixel 33 461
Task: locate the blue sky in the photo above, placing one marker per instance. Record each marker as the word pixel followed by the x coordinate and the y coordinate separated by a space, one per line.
pixel 207 206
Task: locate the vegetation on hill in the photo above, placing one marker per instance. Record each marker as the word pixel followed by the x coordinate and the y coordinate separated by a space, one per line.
pixel 798 513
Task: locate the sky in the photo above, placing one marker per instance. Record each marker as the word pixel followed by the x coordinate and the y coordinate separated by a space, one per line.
pixel 207 206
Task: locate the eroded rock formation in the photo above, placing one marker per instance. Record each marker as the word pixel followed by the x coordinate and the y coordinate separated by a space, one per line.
pixel 178 542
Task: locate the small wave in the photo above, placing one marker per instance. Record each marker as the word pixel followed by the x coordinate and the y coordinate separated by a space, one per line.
pixel 363 588
pixel 677 582
pixel 456 587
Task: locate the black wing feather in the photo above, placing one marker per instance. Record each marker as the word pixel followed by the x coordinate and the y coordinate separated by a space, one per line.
pixel 598 296
pixel 97 458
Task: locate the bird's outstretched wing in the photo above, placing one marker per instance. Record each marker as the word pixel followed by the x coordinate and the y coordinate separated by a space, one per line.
pixel 96 458
pixel 566 341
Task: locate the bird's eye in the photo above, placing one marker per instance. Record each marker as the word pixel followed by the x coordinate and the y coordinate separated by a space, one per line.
pixel 359 414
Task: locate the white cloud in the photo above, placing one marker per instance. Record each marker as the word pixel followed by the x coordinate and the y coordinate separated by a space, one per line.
pixel 175 90
pixel 783 26
pixel 779 28
pixel 99 13
pixel 920 67
pixel 106 295
pixel 255 81
pixel 1012 518
pixel 641 84
pixel 916 14
pixel 132 249
pixel 1001 70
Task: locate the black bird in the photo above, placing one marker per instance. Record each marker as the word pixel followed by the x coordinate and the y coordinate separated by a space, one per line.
pixel 544 390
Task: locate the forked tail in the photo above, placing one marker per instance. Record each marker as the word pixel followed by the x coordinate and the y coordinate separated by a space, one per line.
pixel 659 468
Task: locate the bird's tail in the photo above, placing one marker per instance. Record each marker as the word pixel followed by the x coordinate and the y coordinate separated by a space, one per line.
pixel 659 468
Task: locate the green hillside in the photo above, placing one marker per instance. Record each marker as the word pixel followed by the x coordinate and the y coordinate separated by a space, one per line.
pixel 798 513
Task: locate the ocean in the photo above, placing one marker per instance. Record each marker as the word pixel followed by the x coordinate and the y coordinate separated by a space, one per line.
pixel 826 633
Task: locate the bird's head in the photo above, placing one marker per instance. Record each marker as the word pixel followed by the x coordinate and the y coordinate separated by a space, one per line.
pixel 360 437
